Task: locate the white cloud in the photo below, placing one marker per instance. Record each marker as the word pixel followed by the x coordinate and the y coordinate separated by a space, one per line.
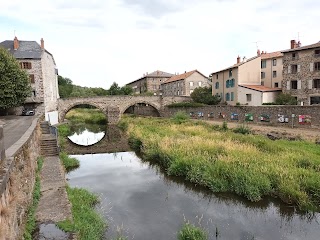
pixel 98 42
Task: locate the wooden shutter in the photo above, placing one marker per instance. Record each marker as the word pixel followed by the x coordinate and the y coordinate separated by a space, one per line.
pixel 298 68
pixel 31 78
pixel 289 68
pixel 299 84
pixel 288 85
pixel 310 84
pixel 311 67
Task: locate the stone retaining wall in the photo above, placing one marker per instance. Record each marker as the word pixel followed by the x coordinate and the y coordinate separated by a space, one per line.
pixel 17 177
pixel 304 116
pixel 2 150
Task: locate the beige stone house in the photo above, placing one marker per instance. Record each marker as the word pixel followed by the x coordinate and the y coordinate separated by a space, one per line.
pixel 242 83
pixel 184 84
pixel 271 69
pixel 150 82
pixel 301 72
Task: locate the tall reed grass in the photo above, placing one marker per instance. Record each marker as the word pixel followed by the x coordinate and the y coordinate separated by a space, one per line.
pixel 248 165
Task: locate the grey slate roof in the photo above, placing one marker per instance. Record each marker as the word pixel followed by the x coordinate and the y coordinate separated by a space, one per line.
pixel 156 73
pixel 26 50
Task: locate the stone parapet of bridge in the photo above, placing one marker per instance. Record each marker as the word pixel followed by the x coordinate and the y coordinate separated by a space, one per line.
pixel 115 106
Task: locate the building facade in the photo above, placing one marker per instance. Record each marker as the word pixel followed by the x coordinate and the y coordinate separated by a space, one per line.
pixel 301 72
pixel 41 67
pixel 250 81
pixel 184 84
pixel 150 82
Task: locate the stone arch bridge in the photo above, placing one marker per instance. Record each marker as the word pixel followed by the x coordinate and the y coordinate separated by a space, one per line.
pixel 115 106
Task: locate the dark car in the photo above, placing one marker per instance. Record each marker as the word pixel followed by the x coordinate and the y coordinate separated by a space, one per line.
pixel 28 112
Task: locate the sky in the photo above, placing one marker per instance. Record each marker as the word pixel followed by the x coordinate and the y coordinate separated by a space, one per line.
pixel 98 42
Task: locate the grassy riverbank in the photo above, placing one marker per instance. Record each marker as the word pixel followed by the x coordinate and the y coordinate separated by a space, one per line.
pixel 248 165
pixel 86 115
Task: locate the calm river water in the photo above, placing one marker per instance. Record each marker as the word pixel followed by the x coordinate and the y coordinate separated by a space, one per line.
pixel 141 202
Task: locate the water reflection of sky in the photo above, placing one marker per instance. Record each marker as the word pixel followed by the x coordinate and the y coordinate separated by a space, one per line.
pixel 86 138
pixel 151 206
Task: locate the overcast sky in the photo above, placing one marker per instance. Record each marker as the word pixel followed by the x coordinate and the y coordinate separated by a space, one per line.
pixel 97 42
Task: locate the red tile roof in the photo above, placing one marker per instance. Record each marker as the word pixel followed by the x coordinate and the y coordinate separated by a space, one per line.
pixel 271 55
pixel 182 76
pixel 260 88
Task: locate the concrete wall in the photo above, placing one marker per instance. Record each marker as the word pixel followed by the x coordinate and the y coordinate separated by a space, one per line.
pixel 17 178
pixel 256 96
pixel 213 113
pixel 270 96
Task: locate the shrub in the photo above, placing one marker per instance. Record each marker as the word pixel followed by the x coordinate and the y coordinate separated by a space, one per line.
pixel 243 129
pixel 180 117
pixel 224 126
pixel 191 232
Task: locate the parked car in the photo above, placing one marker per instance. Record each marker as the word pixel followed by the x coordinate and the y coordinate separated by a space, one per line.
pixel 28 112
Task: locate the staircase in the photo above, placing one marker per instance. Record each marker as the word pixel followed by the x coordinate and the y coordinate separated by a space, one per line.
pixel 48 144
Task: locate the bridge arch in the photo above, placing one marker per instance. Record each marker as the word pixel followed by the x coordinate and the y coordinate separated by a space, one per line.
pixel 67 108
pixel 132 103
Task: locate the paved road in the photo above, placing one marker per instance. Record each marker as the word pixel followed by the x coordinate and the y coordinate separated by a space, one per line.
pixel 14 128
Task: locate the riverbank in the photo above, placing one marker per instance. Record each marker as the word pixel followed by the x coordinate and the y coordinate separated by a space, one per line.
pixel 248 165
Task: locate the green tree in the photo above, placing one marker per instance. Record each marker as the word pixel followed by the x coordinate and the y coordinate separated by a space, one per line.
pixel 114 89
pixel 285 99
pixel 14 82
pixel 65 87
pixel 126 90
pixel 204 95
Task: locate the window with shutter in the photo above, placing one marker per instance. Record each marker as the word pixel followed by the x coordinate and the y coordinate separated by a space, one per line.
pixel 31 76
pixel 316 66
pixel 288 85
pixel 298 67
pixel 310 84
pixel 299 84
pixel 289 69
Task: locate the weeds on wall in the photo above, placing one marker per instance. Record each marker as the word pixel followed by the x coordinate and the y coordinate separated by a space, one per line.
pixel 31 220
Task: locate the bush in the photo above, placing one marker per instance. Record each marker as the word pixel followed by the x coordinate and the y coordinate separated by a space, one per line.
pixel 224 126
pixel 243 129
pixel 191 232
pixel 180 117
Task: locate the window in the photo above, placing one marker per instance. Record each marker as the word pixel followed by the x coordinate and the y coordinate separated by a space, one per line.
pixel 317 53
pixel 316 83
pixel 199 83
pixel 263 75
pixel 217 76
pixel 230 73
pixel 178 84
pixel 295 56
pixel 317 66
pixel 191 84
pixel 25 65
pixel 217 85
pixel 314 100
pixel 274 74
pixel 274 62
pixel 178 92
pixel 232 96
pixel 227 96
pixel 276 84
pixel 248 96
pixel 263 64
pixel 294 84
pixel 262 83
pixel 31 76
pixel 294 68
pixel 33 93
pixel 232 81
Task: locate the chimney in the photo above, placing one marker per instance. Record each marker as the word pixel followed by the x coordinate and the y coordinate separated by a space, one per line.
pixel 292 44
pixel 185 71
pixel 15 43
pixel 238 59
pixel 262 52
pixel 42 44
pixel 258 52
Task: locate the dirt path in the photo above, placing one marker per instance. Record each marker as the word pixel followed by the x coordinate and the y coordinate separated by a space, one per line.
pixel 309 134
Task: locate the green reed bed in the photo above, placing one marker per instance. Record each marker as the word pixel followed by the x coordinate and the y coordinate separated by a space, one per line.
pixel 248 165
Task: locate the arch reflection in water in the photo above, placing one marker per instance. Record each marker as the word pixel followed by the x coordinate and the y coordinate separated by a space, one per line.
pixel 86 134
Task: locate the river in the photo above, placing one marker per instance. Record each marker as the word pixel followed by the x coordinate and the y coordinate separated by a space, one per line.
pixel 141 202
